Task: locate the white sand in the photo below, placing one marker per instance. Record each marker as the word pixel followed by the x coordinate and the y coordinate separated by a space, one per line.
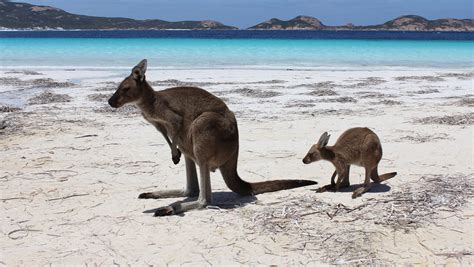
pixel 69 199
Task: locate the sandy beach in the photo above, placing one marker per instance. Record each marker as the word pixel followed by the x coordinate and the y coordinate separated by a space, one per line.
pixel 72 169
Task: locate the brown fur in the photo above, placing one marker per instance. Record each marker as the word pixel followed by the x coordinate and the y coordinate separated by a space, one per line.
pixel 356 146
pixel 204 130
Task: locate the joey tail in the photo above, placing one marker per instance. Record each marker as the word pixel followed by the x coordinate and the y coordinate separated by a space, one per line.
pixel 386 176
pixel 375 176
pixel 241 187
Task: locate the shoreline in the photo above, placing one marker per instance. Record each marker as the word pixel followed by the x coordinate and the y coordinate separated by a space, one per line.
pixel 276 30
pixel 342 68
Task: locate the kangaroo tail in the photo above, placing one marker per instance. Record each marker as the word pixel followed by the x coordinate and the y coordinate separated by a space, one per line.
pixel 277 185
pixel 386 176
pixel 241 187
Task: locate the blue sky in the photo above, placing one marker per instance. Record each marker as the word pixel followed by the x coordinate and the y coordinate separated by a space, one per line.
pixel 246 13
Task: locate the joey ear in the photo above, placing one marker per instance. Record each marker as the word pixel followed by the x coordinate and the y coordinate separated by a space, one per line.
pixel 324 139
pixel 139 70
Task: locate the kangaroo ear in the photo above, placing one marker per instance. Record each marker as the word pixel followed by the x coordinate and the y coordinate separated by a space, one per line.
pixel 139 70
pixel 324 139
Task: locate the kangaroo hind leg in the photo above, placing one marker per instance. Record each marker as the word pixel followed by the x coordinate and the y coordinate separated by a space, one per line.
pixel 361 190
pixel 328 187
pixel 191 190
pixel 205 197
pixel 342 177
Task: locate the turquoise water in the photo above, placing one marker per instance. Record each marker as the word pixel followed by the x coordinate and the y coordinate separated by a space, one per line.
pixel 227 53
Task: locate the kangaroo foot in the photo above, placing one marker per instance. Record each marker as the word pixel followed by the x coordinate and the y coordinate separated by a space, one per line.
pixel 168 194
pixel 176 156
pixel 148 195
pixel 360 191
pixel 164 211
pixel 329 187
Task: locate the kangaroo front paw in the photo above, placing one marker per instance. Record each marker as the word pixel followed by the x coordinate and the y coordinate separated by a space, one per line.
pixel 176 157
pixel 164 211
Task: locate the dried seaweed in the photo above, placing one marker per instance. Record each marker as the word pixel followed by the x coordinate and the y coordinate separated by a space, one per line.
pixel 425 91
pixel 460 119
pixel 388 102
pixel 370 94
pixel 13 81
pixel 49 83
pixel 105 89
pixel 170 82
pixel 301 103
pixel 127 111
pixel 343 99
pixel 419 78
pixel 11 125
pixel 412 205
pixel 9 109
pixel 254 93
pixel 322 92
pixel 25 72
pixel 466 102
pixel 335 112
pixel 99 97
pixel 41 83
pixel 317 86
pixel 268 82
pixel 354 228
pixel 48 97
pixel 460 76
pixel 369 81
pixel 418 138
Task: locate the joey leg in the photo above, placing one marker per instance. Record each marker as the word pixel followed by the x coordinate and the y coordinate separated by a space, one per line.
pixel 342 174
pixel 345 182
pixel 329 187
pixel 332 178
pixel 361 190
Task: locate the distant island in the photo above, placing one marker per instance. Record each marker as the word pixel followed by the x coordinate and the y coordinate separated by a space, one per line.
pixel 403 23
pixel 24 16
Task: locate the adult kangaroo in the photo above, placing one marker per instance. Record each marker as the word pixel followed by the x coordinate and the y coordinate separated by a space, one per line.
pixel 199 125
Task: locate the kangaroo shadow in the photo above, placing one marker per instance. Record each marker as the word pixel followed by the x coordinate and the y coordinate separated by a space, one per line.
pixel 221 200
pixel 374 188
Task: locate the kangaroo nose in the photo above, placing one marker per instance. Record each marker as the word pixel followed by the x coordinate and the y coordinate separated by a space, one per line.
pixel 111 102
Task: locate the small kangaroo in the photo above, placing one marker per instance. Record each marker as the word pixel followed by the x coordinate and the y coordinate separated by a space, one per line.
pixel 199 125
pixel 356 146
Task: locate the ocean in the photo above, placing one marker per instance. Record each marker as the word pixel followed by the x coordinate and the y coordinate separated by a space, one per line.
pixel 236 49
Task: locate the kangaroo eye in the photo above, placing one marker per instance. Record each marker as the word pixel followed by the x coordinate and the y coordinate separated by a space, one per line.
pixel 126 89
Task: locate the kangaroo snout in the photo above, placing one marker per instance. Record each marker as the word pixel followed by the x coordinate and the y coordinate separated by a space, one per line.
pixel 306 160
pixel 113 101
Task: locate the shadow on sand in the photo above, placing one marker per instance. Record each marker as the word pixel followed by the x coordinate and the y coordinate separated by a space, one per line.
pixel 221 200
pixel 374 188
